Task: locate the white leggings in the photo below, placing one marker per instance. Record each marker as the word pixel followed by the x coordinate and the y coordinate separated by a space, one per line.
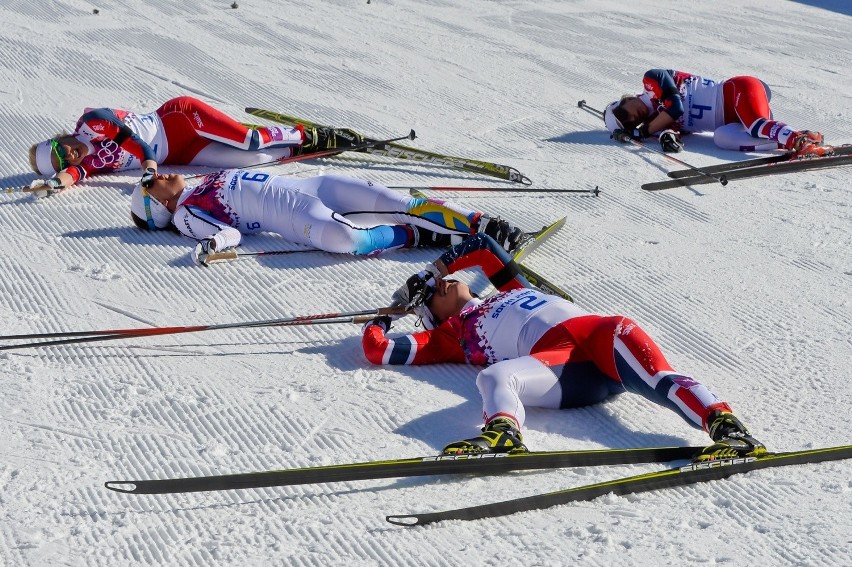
pixel 506 387
pixel 221 156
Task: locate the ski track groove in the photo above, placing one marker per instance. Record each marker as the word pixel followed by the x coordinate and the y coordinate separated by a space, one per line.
pixel 676 329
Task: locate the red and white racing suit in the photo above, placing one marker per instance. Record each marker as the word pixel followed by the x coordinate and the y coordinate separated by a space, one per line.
pixel 540 349
pixel 699 104
pixel 183 131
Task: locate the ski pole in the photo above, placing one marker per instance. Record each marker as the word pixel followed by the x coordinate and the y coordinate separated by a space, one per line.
pixel 325 153
pixel 412 189
pixel 73 337
pixel 721 178
pixel 22 189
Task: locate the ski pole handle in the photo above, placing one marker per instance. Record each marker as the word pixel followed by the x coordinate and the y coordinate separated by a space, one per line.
pixel 380 312
pixel 224 256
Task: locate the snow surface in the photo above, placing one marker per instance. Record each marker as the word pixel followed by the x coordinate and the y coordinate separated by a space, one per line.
pixel 746 287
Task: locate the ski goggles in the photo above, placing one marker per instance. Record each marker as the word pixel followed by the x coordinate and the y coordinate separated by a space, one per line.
pixel 60 153
pixel 424 310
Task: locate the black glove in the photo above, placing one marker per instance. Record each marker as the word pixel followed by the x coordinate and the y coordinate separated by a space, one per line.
pixel 670 141
pixel 625 136
pixel 148 177
pixel 382 321
pixel 416 288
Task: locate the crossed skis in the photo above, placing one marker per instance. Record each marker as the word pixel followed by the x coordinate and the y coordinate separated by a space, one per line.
pixel 684 475
pixel 759 167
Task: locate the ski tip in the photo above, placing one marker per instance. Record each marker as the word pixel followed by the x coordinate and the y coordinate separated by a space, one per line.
pixel 125 486
pixel 407 520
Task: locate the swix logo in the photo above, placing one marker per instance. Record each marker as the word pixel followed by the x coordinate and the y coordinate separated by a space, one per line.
pixel 188 226
pixel 98 127
pixel 464 457
pixel 198 119
pixel 716 464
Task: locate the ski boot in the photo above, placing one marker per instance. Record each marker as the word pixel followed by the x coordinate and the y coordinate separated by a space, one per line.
pixel 806 143
pixel 731 437
pixel 506 235
pixel 500 435
pixel 425 238
pixel 322 139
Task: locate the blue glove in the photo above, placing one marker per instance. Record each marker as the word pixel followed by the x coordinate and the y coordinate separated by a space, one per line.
pixel 148 177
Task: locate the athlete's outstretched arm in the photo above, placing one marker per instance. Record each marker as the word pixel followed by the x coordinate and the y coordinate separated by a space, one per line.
pixel 480 250
pixel 197 224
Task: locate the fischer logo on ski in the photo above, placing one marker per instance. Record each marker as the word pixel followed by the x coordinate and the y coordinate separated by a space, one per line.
pixel 465 457
pixel 716 464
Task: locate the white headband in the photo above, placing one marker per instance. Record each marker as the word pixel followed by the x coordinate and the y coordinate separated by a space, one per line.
pixel 612 123
pixel 43 152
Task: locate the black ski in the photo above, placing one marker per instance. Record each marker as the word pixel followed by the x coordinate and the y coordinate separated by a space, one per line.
pixel 743 164
pixel 400 151
pixel 756 171
pixel 419 466
pixel 667 478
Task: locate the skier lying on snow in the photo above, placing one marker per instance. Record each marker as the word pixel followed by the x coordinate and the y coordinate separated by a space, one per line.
pixel 183 131
pixel 540 350
pixel 735 110
pixel 331 213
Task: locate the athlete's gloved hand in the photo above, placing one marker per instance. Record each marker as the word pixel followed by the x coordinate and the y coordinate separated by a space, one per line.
pixel 383 321
pixel 416 288
pixel 46 187
pixel 625 136
pixel 148 177
pixel 670 141
pixel 202 250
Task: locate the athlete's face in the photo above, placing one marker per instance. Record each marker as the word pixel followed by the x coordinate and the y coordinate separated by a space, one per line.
pixel 448 299
pixel 68 150
pixel 635 109
pixel 166 189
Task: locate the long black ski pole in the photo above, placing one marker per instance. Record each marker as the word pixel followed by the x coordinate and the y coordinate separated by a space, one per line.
pixel 721 178
pixel 593 191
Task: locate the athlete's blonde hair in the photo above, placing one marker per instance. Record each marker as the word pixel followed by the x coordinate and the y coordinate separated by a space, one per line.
pixel 32 154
